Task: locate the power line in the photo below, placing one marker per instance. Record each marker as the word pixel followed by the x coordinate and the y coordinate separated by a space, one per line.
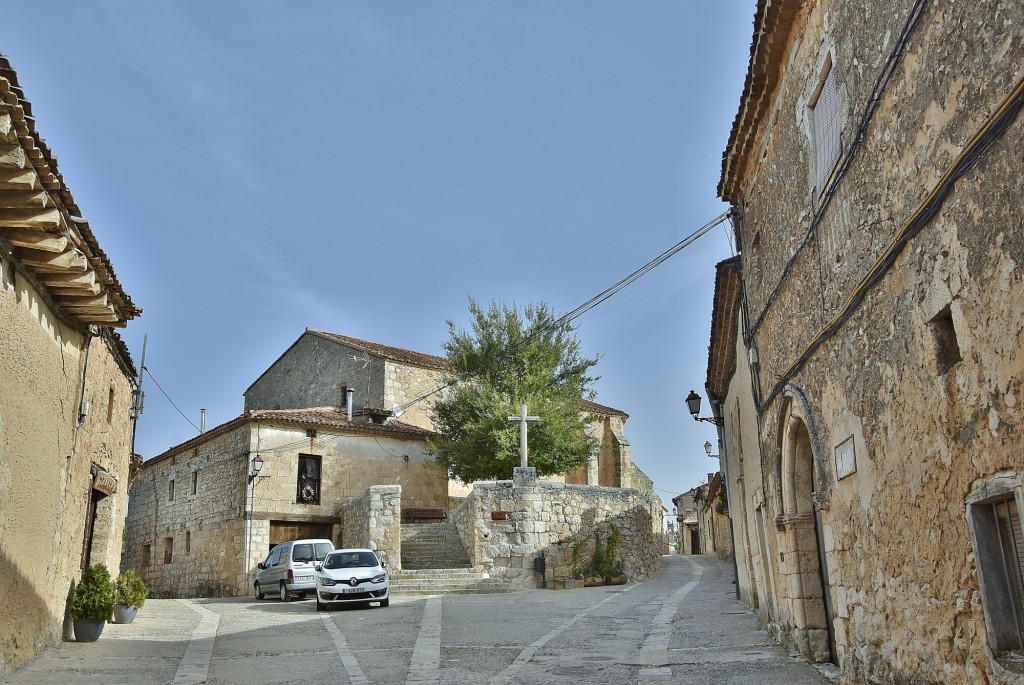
pixel 169 398
pixel 594 301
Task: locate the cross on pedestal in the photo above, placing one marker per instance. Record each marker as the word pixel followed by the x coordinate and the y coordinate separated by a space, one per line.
pixel 523 419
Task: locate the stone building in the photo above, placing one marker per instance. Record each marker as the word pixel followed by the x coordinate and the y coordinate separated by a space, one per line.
pixel 714 530
pixel 866 345
pixel 686 518
pixel 66 388
pixel 322 369
pixel 198 523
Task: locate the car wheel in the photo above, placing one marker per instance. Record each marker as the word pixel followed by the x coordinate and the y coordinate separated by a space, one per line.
pixel 285 597
pixel 257 591
pixel 320 606
pixel 385 602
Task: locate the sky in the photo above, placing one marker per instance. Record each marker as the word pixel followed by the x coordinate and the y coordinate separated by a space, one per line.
pixel 255 168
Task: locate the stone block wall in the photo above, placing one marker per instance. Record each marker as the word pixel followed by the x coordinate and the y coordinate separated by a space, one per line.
pixel 542 517
pixel 373 521
pixel 195 543
pixel 403 383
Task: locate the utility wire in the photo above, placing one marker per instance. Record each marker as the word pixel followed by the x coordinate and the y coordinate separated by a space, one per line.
pixel 602 296
pixel 150 373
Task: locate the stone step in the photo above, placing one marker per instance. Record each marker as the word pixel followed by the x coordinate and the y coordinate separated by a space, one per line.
pixel 432 546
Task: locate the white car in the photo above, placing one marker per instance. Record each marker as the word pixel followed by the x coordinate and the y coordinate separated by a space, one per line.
pixel 351 576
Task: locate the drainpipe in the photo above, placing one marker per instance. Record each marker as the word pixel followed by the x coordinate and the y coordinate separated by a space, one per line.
pixel 348 403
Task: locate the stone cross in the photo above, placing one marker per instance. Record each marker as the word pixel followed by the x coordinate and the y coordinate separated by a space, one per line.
pixel 522 420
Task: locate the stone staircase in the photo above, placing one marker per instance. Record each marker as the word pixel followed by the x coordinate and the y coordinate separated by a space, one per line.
pixel 432 546
pixel 434 562
pixel 437 581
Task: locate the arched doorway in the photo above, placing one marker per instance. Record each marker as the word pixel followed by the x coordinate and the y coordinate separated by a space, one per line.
pixel 802 562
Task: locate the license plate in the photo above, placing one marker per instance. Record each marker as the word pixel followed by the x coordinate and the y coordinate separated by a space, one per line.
pixel 352 590
pixel 304 579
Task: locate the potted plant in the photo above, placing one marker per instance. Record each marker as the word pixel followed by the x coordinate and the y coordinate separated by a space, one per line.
pixel 92 604
pixel 130 594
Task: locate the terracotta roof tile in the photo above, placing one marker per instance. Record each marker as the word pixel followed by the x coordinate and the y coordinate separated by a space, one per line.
pixel 397 354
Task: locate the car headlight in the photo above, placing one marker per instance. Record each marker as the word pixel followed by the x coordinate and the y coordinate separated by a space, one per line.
pixel 379 579
pixel 324 580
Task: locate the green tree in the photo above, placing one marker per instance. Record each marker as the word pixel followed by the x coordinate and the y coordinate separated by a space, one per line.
pixel 506 359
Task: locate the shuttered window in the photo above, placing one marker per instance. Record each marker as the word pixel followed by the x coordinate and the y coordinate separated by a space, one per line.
pixel 824 117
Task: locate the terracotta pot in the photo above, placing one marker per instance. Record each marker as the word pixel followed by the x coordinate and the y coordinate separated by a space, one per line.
pixel 616 580
pixel 593 582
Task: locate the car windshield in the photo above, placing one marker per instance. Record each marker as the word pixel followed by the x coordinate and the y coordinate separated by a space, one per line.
pixel 323 549
pixel 351 560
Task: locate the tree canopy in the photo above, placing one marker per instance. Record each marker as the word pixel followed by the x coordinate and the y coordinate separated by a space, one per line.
pixel 509 358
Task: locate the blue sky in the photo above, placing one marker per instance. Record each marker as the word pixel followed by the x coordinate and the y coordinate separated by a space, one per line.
pixel 365 167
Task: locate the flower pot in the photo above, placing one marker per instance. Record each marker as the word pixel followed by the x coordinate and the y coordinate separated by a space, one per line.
pixel 593 582
pixel 125 613
pixel 88 630
pixel 616 580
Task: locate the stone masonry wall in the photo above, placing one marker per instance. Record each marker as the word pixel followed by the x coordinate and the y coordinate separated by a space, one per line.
pixel 313 373
pixel 548 518
pixel 922 383
pixel 373 521
pixel 194 544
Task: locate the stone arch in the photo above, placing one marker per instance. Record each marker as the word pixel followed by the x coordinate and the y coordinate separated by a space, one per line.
pixel 802 567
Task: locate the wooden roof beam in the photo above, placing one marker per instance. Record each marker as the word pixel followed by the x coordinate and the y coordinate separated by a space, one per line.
pixel 35 240
pixel 24 199
pixel 48 217
pixel 19 179
pixel 53 263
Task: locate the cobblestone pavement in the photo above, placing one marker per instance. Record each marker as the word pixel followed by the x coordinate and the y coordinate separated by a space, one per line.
pixel 684 626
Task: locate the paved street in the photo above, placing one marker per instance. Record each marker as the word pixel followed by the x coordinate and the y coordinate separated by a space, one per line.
pixel 682 627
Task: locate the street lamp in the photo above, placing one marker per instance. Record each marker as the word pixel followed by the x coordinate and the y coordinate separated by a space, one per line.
pixel 255 466
pixel 693 405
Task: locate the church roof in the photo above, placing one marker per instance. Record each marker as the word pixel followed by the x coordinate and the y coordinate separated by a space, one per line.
pixel 595 408
pixel 396 354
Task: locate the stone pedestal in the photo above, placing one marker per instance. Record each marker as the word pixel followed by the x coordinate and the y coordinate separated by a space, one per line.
pixel 524 476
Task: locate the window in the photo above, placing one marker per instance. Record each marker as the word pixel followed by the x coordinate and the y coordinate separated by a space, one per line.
pixel 195 482
pixel 307 488
pixel 824 115
pixel 110 405
pixel 994 515
pixel 168 550
pixel 170 490
pixel 188 541
pixel 147 552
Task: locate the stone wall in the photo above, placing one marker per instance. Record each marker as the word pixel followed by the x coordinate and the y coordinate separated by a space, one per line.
pixel 218 535
pixel 866 452
pixel 313 372
pixel 47 452
pixel 403 383
pixel 373 521
pixel 541 517
pixel 194 544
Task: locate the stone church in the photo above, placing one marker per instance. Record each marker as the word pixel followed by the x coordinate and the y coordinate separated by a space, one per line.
pixel 867 344
pixel 329 420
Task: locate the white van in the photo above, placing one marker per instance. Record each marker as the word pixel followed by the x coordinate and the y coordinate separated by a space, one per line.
pixel 289 569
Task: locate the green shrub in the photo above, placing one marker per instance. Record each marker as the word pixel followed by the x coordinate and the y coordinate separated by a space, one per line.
pixel 130 589
pixel 604 561
pixel 94 596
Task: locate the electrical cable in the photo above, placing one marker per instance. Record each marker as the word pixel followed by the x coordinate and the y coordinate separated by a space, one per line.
pixel 146 369
pixel 870 107
pixel 977 147
pixel 593 302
